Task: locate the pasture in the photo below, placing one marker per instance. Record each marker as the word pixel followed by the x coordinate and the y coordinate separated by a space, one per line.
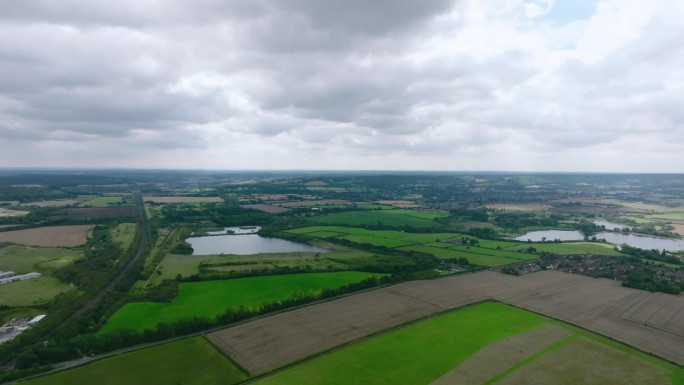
pixel 24 260
pixel 191 361
pixel 483 343
pixel 50 236
pixel 389 218
pixel 31 292
pixel 8 213
pixel 100 201
pixel 212 298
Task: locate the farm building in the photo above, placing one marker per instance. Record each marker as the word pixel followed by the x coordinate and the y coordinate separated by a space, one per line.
pixel 6 274
pixel 15 278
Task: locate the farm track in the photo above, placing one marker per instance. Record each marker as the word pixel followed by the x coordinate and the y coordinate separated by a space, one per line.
pixel 598 305
pixel 142 225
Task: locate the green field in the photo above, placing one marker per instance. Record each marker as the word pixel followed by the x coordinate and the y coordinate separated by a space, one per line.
pixel 388 218
pixel 191 361
pixel 123 234
pixel 421 353
pixel 31 292
pixel 100 201
pixel 489 253
pixel 212 298
pixel 570 248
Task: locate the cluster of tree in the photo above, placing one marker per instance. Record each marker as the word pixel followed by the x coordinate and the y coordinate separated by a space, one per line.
pixel 514 220
pixel 62 349
pixel 653 254
pixel 228 213
pixel 645 279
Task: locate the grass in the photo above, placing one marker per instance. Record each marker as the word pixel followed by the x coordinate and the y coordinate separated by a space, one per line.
pixel 212 298
pixel 422 352
pixel 22 260
pixel 388 218
pixel 31 292
pixel 570 248
pixel 123 234
pixel 191 361
pixel 101 201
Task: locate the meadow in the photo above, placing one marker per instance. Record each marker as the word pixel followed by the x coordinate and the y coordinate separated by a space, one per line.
pixel 124 234
pixel 100 201
pixel 191 361
pixel 212 298
pixel 452 349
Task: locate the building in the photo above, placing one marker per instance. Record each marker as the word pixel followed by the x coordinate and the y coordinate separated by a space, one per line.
pixel 22 277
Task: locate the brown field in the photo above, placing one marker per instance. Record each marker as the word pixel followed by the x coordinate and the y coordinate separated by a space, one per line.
pixel 51 236
pixel 319 202
pixel 266 208
pixel 519 207
pixel 5 213
pixel 100 212
pixel 679 227
pixel 501 355
pixel 183 199
pixel 595 304
pixel 600 365
pixel 56 203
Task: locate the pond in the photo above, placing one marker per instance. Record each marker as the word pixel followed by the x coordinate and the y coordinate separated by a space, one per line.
pixel 635 240
pixel 247 245
pixel 611 225
pixel 550 235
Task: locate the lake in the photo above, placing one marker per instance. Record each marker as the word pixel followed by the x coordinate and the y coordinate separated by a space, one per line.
pixel 247 245
pixel 635 240
pixel 550 235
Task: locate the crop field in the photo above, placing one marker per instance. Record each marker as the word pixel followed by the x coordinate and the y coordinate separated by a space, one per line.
pixel 265 208
pixel 212 298
pixel 598 305
pixel 389 218
pixel 192 361
pixel 103 201
pixel 7 213
pixel 182 199
pixel 484 343
pixel 55 203
pixel 310 203
pixel 519 207
pixel 123 234
pixel 24 260
pixel 570 248
pixel 50 236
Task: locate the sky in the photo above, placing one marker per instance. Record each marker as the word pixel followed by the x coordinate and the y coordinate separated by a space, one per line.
pixel 467 85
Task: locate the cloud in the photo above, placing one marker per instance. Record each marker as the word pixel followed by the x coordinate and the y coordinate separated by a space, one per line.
pixel 439 84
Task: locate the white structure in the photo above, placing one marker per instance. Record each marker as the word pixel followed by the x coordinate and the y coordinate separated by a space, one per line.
pixel 36 319
pixel 5 274
pixel 22 277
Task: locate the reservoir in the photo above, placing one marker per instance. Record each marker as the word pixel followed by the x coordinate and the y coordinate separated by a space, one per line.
pixel 247 244
pixel 647 242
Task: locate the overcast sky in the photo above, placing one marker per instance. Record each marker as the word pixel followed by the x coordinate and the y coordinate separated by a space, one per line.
pixel 526 85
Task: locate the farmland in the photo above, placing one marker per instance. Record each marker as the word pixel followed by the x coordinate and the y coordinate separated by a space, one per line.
pixel 192 361
pixel 31 292
pixel 182 199
pixel 50 236
pixel 102 201
pixel 12 213
pixel 266 344
pixel 123 234
pixel 397 218
pixel 479 344
pixel 212 298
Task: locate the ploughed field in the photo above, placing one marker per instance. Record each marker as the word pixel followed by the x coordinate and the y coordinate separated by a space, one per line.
pixel 212 298
pixel 596 304
pixel 49 236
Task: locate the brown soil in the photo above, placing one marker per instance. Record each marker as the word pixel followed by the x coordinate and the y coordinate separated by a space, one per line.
pixel 51 236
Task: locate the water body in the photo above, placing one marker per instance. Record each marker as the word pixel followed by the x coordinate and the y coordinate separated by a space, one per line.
pixel 550 235
pixel 612 225
pixel 247 245
pixel 242 230
pixel 642 241
pixel 635 240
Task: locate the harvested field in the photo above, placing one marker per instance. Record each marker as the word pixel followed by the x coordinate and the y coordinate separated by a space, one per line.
pixel 181 199
pixel 7 213
pixel 518 207
pixel 401 204
pixel 51 236
pixel 679 227
pixel 266 208
pixel 595 304
pixel 268 343
pixel 99 212
pixel 660 311
pixel 55 203
pixel 503 354
pixel 320 202
pixel 600 365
